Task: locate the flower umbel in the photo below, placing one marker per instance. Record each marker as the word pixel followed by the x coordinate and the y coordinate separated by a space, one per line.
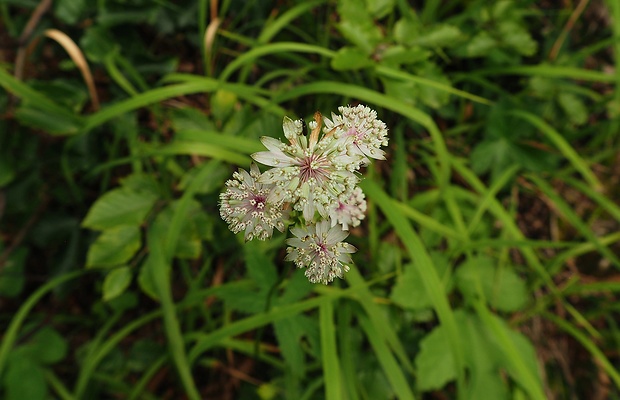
pixel 349 210
pixel 361 130
pixel 244 206
pixel 320 249
pixel 310 172
pixel 314 174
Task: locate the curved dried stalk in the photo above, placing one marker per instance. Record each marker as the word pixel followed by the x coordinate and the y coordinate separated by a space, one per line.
pixel 209 38
pixel 78 58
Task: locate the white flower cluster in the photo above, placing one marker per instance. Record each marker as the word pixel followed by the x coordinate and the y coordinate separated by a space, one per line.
pixel 314 175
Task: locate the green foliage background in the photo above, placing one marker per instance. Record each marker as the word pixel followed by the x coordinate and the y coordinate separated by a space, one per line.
pixel 487 265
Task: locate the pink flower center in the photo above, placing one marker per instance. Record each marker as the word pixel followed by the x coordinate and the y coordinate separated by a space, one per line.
pixel 313 167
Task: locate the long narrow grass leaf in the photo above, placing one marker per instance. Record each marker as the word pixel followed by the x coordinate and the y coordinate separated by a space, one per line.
pixel 423 262
pixel 551 71
pixel 391 369
pixel 572 217
pixel 404 76
pixel 329 350
pixel 587 344
pixel 562 145
pixel 528 379
pixel 10 334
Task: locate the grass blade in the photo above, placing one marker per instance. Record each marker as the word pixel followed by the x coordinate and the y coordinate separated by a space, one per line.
pixel 562 145
pixel 423 262
pixel 329 351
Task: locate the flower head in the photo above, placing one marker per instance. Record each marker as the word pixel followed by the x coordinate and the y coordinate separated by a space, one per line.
pixel 321 250
pixel 362 132
pixel 245 206
pixel 310 171
pixel 349 210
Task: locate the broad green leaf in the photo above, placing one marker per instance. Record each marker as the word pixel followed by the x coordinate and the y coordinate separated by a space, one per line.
pixel 491 155
pixel 289 332
pixel 69 11
pixel 380 8
pixel 406 30
pixel 120 206
pixel 189 244
pixel 146 280
pixel 440 35
pixel 518 38
pixel 260 266
pixel 24 379
pixel 48 346
pixel 503 289
pixel 429 95
pixel 480 45
pixel 350 58
pixel 116 282
pixel 486 385
pixel 434 363
pixel 402 90
pixel 222 104
pixel 97 44
pixel 141 183
pixel 188 118
pixel 573 107
pixel 357 26
pixel 410 292
pixel 398 55
pixel 114 246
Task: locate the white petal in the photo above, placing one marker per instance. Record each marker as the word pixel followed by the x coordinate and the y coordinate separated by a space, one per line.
pixel 292 129
pixel 272 158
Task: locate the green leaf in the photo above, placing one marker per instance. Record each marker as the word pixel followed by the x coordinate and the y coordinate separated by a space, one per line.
pixel 12 273
pixel 216 177
pixel 116 282
pixel 486 385
pixel 434 363
pixel 492 155
pixel 432 96
pixel 139 182
pixel 69 11
pixel 119 207
pixel 573 107
pixel 48 346
pixel 402 90
pixel 24 379
pixel 289 332
pixel 518 38
pixel 480 45
pixel 55 124
pixel 502 287
pixel 406 30
pixel 146 279
pixel 350 58
pixel 410 292
pixel 440 35
pixel 97 44
pixel 222 104
pixel 398 55
pixel 357 26
pixel 380 8
pixel 114 246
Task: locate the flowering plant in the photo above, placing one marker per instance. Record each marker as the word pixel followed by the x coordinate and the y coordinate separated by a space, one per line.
pixel 314 178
